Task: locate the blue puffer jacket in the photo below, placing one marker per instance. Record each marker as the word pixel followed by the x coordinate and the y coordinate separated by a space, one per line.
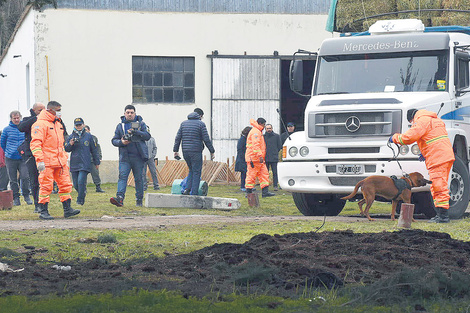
pixel 11 139
pixel 193 133
pixel 137 147
pixel 82 151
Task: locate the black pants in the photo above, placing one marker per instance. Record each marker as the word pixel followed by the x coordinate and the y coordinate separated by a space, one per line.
pixel 33 178
pixel 273 166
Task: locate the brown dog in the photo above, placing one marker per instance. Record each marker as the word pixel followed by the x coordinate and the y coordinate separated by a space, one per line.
pixel 385 187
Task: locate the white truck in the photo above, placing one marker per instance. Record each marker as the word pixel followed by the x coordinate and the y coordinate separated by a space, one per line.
pixel 363 86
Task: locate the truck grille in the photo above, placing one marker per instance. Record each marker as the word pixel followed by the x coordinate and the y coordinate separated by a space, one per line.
pixel 354 123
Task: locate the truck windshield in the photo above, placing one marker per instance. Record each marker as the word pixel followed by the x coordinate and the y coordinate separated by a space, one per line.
pixel 387 72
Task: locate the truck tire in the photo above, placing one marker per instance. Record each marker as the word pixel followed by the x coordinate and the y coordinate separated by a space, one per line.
pixel 310 204
pixel 423 203
pixel 459 187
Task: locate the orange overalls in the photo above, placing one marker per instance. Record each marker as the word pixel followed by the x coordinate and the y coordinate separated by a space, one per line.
pixel 430 134
pixel 256 149
pixel 47 145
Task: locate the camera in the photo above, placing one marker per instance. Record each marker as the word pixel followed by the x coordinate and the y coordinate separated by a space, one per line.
pixel 134 126
pixel 75 139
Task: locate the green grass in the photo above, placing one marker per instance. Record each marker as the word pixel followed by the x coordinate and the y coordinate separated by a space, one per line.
pixel 131 245
pixel 97 205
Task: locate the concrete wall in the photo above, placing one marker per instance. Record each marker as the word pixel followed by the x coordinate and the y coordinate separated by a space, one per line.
pixel 90 57
pixel 13 87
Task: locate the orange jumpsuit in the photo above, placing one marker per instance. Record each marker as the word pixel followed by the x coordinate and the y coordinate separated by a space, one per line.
pixel 255 149
pixel 47 145
pixel 430 133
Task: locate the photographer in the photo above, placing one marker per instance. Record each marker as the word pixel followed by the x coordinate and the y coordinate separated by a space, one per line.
pixel 82 146
pixel 130 136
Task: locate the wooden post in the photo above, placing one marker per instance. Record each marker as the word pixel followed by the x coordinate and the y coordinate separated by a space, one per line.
pixel 406 215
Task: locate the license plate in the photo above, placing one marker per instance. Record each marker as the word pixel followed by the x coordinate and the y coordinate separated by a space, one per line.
pixel 349 169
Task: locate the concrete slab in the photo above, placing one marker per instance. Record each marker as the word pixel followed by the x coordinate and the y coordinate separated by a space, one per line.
pixel 161 200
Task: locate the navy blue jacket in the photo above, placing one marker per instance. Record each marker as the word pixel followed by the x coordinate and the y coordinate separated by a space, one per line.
pixel 11 139
pixel 82 152
pixel 273 146
pixel 193 135
pixel 137 147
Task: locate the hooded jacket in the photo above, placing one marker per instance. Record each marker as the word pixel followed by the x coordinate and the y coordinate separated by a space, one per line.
pixel 82 152
pixel 47 140
pixel 137 146
pixel 11 139
pixel 255 145
pixel 430 133
pixel 192 135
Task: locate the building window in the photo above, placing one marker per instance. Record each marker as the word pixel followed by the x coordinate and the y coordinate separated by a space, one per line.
pixel 162 79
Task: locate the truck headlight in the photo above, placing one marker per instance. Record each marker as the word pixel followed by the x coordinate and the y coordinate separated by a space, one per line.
pixel 293 151
pixel 415 149
pixel 404 150
pixel 304 151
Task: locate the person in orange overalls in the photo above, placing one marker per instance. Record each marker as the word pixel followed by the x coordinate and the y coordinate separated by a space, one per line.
pixel 430 133
pixel 255 158
pixel 47 146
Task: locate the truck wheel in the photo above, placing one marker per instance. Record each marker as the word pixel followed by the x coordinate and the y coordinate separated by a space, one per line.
pixel 423 203
pixel 310 204
pixel 459 187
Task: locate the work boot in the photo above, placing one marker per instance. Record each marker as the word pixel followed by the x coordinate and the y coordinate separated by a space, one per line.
pixel 37 208
pixel 27 199
pixel 442 216
pixel 16 202
pixel 265 192
pixel 98 189
pixel 138 203
pixel 117 201
pixel 44 213
pixel 249 190
pixel 68 211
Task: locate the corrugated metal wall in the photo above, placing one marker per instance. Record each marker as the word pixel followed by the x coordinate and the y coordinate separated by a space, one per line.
pixel 242 89
pixel 204 6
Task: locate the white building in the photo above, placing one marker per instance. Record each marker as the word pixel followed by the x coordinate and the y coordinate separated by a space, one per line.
pixel 229 58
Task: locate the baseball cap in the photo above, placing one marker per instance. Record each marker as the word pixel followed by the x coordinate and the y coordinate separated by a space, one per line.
pixel 78 121
pixel 290 124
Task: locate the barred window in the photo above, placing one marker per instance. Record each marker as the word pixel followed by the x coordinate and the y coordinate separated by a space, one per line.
pixel 162 79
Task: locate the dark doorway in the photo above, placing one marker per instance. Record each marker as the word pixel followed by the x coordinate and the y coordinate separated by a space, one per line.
pixel 292 104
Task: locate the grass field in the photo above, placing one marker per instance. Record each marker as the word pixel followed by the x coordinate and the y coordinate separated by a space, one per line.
pixel 131 245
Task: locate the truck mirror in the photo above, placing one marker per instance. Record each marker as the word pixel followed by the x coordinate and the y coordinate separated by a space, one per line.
pixel 296 76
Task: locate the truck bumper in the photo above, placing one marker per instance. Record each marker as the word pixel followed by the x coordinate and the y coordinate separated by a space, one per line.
pixel 321 177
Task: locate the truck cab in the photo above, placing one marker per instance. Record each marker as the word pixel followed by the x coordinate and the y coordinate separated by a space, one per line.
pixel 363 86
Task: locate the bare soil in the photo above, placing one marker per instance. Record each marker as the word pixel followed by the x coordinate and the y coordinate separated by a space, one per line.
pixel 279 265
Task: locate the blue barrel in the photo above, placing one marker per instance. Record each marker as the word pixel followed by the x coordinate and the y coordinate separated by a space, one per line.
pixel 177 190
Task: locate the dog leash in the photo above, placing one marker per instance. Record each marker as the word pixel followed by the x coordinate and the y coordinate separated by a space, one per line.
pixel 395 157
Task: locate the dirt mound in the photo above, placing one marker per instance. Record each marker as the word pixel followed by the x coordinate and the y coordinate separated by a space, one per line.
pixel 278 265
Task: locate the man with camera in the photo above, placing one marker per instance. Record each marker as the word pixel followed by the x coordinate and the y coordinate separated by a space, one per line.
pixel 130 136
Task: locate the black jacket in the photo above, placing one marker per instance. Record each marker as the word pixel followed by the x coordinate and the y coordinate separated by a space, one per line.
pixel 25 127
pixel 137 141
pixel 193 135
pixel 273 146
pixel 240 163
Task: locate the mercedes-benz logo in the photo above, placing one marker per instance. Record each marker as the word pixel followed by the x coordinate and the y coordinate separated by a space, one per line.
pixel 352 124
